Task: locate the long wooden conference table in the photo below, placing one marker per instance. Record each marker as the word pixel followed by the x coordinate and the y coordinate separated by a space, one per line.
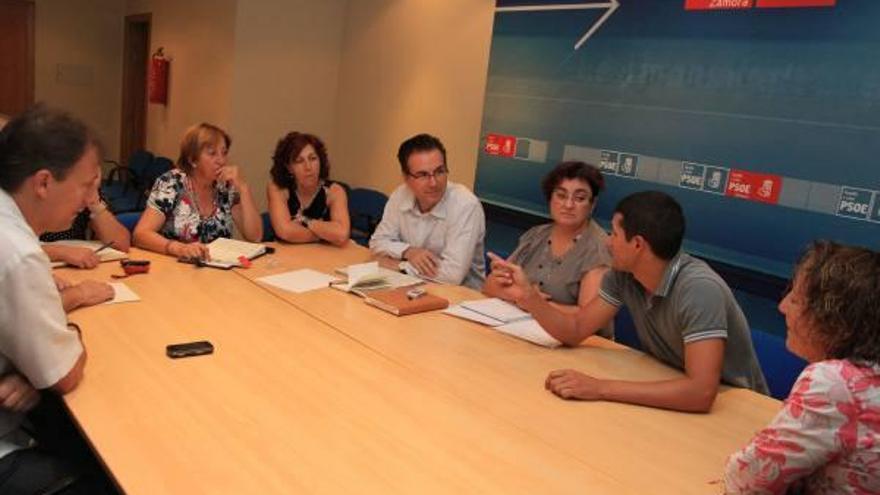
pixel 319 392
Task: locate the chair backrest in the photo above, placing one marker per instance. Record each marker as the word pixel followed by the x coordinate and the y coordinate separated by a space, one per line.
pixel 129 219
pixel 365 208
pixel 139 162
pixel 148 175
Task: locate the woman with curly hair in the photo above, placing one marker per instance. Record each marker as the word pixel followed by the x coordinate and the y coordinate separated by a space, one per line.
pixel 566 257
pixel 304 205
pixel 826 439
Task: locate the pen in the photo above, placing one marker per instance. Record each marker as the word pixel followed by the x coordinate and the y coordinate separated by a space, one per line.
pixel 103 247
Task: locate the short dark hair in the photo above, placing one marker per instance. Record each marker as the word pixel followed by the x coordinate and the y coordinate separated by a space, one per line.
pixel 288 148
pixel 841 288
pixel 573 170
pixel 657 217
pixel 419 142
pixel 197 138
pixel 41 138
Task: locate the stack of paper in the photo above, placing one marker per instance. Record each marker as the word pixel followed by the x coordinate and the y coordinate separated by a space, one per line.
pixel 505 318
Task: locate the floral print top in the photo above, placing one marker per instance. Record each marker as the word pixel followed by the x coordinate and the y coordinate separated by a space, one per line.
pixel 173 197
pixel 825 440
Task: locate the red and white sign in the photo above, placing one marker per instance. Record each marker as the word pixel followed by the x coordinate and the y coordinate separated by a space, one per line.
pixel 500 145
pixel 752 186
pixel 717 4
pixel 747 4
pixel 770 4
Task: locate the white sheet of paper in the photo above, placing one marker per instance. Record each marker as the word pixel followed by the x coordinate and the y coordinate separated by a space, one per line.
pixel 462 312
pixel 531 331
pixel 298 281
pixel 497 309
pixel 122 293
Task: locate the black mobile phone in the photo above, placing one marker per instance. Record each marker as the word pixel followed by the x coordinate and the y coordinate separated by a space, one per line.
pixel 189 349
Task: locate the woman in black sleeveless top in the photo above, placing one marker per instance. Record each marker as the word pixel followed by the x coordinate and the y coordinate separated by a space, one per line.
pixel 304 205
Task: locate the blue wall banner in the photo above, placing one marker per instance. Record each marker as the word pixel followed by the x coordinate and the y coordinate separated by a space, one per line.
pixel 762 117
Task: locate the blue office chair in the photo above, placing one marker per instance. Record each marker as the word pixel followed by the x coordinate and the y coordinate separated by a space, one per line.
pixel 365 208
pixel 123 188
pixel 129 219
pixel 148 177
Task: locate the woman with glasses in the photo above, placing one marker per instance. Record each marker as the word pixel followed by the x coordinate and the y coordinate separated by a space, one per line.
pixel 567 257
pixel 199 201
pixel 826 438
pixel 304 205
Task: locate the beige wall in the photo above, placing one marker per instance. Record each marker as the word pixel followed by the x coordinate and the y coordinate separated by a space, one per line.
pixel 362 74
pixel 411 66
pixel 198 37
pixel 285 78
pixel 78 62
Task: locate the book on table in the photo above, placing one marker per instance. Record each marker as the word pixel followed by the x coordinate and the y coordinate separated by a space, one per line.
pixel 400 302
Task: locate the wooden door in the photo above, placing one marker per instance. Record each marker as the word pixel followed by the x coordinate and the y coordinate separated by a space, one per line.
pixel 136 55
pixel 16 56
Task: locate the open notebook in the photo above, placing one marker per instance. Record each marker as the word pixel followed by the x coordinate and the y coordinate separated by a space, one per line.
pixel 226 253
pixel 504 317
pixel 106 254
pixel 365 277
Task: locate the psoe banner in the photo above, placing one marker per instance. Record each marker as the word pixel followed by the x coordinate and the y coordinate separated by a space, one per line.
pixel 500 145
pixel 753 186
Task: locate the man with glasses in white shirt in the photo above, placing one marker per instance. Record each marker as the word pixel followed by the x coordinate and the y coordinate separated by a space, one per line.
pixel 434 225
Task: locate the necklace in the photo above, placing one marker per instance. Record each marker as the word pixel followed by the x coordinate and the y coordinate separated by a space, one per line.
pixel 194 195
pixel 304 205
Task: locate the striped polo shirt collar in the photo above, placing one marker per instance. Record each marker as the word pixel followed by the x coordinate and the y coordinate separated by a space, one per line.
pixel 673 268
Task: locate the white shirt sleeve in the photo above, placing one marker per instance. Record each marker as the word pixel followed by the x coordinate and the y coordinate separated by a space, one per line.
pixel 34 336
pixel 386 240
pixel 467 228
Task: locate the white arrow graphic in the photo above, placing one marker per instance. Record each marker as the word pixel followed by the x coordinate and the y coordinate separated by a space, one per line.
pixel 612 5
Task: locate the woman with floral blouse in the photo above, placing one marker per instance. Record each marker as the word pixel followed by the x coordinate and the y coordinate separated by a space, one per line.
pixel 198 201
pixel 826 439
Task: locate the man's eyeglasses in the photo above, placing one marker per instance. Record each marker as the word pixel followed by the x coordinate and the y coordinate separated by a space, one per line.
pixel 437 174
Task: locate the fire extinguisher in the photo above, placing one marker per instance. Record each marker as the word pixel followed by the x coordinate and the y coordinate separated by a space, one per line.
pixel 158 79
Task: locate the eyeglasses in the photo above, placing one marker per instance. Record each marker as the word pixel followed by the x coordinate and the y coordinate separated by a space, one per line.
pixel 437 174
pixel 562 196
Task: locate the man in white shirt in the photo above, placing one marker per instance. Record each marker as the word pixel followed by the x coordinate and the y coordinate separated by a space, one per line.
pixel 49 171
pixel 436 226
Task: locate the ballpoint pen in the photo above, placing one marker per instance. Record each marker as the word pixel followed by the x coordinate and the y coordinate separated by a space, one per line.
pixel 103 247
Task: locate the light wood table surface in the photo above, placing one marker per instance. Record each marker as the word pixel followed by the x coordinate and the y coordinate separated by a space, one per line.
pixel 288 404
pixel 648 450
